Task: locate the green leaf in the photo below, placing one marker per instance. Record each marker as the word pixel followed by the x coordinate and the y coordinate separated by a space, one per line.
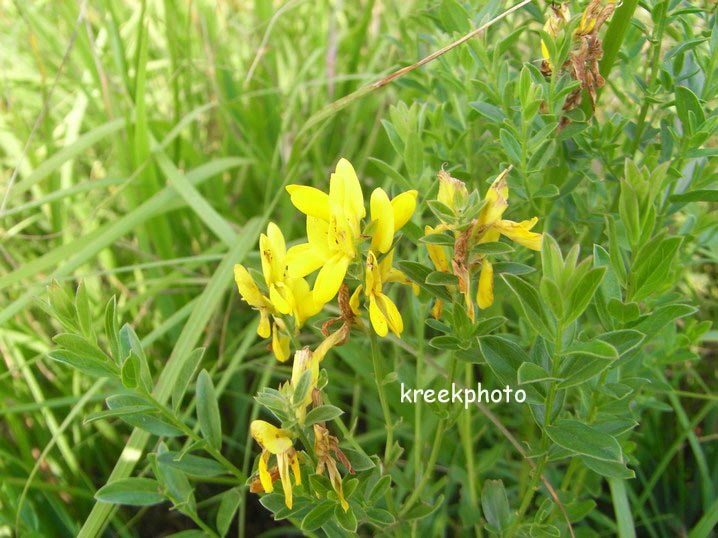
pixel 623 312
pixel 380 517
pixel 111 329
pixel 593 348
pixel 175 483
pixel 318 516
pixel 81 346
pixel 417 273
pixel 85 364
pixel 130 342
pixel 529 373
pixel 586 360
pixel 193 465
pixel 208 415
pixel 610 469
pixel 323 413
pixel 687 105
pixel 583 292
pixel 347 520
pixel 119 412
pixel 494 248
pixel 551 293
pixel 131 491
pixel 495 505
pixel 227 508
pixel 379 490
pixel 699 195
pixel 304 385
pixel 130 372
pixel 551 258
pixel 62 305
pixel 485 326
pixel 445 342
pixel 440 278
pixel 442 211
pixel 580 438
pixel 652 323
pixel 533 309
pixel 154 424
pixel 184 377
pixel 512 268
pixel 623 340
pixel 438 239
pixel 655 260
pixel 511 146
pixel 422 510
pixel 358 460
pixel 84 312
pixel 503 357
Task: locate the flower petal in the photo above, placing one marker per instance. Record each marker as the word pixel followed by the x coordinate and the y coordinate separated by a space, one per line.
pixel 382 213
pixel 330 278
pixel 485 295
pixel 273 252
pixel 520 232
pixel 304 304
pixel 496 200
pixel 403 206
pixel 283 464
pixel 264 475
pixel 280 297
pixel 264 329
pixel 354 301
pixel 294 463
pixel 280 344
pixel 310 201
pixel 377 318
pixel 302 260
pixel 269 437
pixel 345 180
pixel 437 254
pixel 391 313
pixel 247 287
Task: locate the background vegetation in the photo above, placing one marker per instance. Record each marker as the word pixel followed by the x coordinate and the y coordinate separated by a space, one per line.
pixel 144 145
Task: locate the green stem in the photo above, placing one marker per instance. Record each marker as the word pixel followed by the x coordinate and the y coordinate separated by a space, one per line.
pixel 189 432
pixel 433 456
pixel 548 411
pixel 657 39
pixel 467 445
pixel 379 378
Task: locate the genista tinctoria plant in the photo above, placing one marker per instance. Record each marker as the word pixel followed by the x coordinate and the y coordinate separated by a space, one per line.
pixel 349 248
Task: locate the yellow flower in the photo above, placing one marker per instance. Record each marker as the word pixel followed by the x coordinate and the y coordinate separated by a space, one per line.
pixel 557 19
pixel 452 191
pixel 278 442
pixel 438 257
pixel 485 295
pixel 389 216
pixel 287 295
pixel 333 230
pixel 253 297
pixel 305 360
pixel 383 313
pixel 489 226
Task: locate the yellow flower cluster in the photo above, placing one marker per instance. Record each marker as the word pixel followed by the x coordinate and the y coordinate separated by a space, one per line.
pixel 336 237
pixel 486 228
